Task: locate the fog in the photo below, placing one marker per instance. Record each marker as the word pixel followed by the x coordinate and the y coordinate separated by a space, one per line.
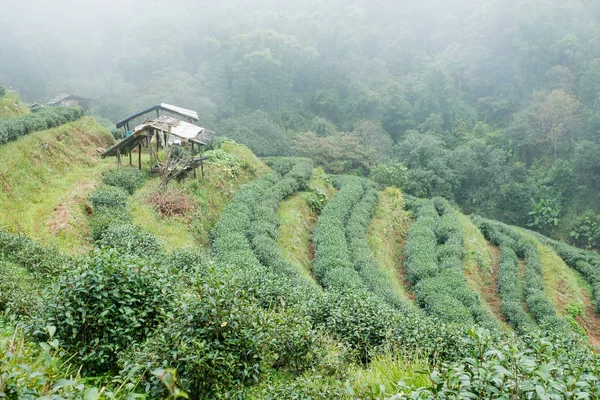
pixel 493 104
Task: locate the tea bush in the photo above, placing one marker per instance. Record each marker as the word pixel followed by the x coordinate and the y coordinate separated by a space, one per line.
pixel 539 367
pixel 216 341
pixel 130 239
pixel 29 254
pixel 587 263
pixel 364 262
pixel 19 290
pixel 41 119
pixel 434 252
pixel 108 197
pixel 129 179
pixel 537 303
pixel 104 304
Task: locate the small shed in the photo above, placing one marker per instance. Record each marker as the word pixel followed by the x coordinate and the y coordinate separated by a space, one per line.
pixel 67 100
pixel 164 131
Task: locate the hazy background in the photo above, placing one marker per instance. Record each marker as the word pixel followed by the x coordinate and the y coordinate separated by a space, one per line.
pixel 491 103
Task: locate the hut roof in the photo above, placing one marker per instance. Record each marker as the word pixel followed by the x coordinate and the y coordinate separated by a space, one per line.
pixel 66 96
pixel 180 111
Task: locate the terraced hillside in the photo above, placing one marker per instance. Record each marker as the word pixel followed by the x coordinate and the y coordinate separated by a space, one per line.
pixel 271 279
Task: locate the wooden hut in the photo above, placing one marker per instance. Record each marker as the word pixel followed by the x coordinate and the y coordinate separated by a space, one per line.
pixel 67 100
pixel 163 132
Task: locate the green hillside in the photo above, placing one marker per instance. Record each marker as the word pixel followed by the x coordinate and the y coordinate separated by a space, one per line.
pixel 271 279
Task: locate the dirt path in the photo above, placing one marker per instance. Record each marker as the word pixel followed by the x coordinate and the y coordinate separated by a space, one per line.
pixel 490 292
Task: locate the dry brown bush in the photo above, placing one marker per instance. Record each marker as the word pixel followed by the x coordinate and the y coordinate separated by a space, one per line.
pixel 171 203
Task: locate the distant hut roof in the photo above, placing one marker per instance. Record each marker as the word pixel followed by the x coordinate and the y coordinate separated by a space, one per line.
pixel 66 96
pixel 177 129
pixel 180 111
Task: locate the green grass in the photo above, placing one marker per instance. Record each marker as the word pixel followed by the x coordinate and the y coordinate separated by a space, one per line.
pixel 45 178
pixel 11 106
pixel 478 265
pixel 174 233
pixel 389 374
pixel 297 225
pixel 222 180
pixel 387 233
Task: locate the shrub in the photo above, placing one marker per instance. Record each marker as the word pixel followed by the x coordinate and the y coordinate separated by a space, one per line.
pixel 513 244
pixel 42 118
pixel 32 256
pixel 105 218
pixel 107 302
pixel 171 203
pixel 108 197
pixel 130 239
pixel 215 340
pixel 434 265
pixel 19 291
pixel 127 178
pixel 2 91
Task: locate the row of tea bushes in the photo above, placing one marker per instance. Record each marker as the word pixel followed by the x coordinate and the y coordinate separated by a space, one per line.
pixel 111 224
pixel 585 262
pixel 434 253
pixel 515 245
pixel 38 120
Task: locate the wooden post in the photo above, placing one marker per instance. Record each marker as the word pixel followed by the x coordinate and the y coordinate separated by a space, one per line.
pixel 192 159
pixel 119 158
pixel 140 156
pixel 202 163
pixel 130 161
pixel 150 147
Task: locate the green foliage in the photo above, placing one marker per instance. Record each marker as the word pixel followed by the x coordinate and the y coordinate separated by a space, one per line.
pixel 19 290
pixel 585 230
pixel 544 213
pixel 538 367
pixel 30 255
pixel 217 347
pixel 2 91
pixel 315 199
pixel 258 132
pixel 108 197
pixel 44 118
pixel 107 302
pixel 37 371
pixel 128 179
pixel 130 239
pixel 390 175
pixel 341 153
pixel 434 252
pixel 513 245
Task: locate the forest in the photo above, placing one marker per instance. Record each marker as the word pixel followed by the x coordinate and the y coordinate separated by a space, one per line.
pixel 402 201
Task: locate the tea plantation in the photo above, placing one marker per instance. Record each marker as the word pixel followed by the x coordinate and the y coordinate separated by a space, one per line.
pixel 118 300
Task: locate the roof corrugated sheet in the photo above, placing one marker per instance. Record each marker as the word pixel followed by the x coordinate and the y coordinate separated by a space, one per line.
pixel 182 112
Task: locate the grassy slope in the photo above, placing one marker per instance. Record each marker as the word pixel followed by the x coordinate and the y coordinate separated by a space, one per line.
pixel 210 196
pixel 387 235
pixel 297 224
pixel 45 178
pixel 481 269
pixel 11 106
pixel 569 292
